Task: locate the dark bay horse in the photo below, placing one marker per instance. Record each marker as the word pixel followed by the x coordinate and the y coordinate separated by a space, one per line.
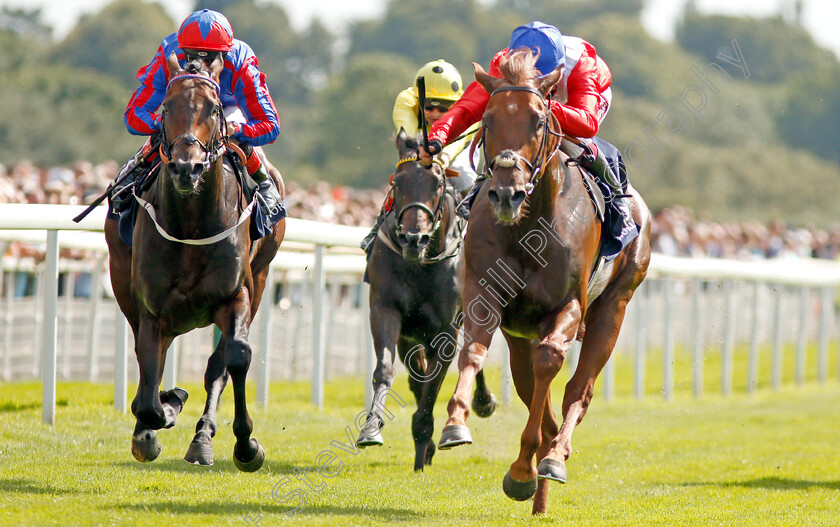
pixel 415 296
pixel 192 263
pixel 531 246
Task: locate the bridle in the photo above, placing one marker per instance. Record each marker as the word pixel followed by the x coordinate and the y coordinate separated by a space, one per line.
pixel 452 246
pixel 218 141
pixel 436 215
pixel 508 158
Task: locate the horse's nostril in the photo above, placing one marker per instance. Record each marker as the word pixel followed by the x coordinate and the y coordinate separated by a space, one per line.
pixel 493 196
pixel 403 239
pixel 518 198
pixel 423 241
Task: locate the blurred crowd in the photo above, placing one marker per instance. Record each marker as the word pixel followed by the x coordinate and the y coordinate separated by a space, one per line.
pixel 675 230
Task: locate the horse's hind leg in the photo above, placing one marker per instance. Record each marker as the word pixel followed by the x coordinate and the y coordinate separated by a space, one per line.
pixel 234 322
pixel 200 451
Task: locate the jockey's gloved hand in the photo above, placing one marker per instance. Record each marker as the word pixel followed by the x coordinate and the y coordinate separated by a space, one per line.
pixel 435 146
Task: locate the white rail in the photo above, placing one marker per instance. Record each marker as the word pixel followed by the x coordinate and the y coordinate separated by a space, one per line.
pixel 53 226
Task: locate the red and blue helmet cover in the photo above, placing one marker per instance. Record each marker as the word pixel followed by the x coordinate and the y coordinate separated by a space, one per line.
pixel 206 30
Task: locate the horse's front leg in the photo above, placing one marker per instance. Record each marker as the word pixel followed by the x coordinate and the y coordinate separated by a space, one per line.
pixel 153 410
pixel 200 451
pixel 234 321
pixel 385 325
pixel 480 322
pixel 602 326
pixel 520 481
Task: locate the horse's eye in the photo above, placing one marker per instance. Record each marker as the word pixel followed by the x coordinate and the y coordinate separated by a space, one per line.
pixel 540 124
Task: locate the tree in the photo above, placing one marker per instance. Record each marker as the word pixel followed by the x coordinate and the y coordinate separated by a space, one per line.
pixel 435 29
pixel 773 49
pixel 354 143
pixel 810 116
pixel 117 40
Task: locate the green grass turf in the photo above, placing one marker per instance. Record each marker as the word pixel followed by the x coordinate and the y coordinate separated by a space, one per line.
pixel 769 458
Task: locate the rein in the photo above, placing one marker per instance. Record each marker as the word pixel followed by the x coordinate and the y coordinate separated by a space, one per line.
pixel 510 159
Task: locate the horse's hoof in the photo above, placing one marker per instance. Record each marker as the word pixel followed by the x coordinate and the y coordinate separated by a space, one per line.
pixel 176 398
pixel 454 435
pixel 552 469
pixel 367 439
pixel 199 454
pixel 519 490
pixel 254 464
pixel 145 448
pixel 484 407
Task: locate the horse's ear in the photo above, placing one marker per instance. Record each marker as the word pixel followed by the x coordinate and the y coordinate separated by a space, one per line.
pixel 490 83
pixel 402 138
pixel 548 82
pixel 172 64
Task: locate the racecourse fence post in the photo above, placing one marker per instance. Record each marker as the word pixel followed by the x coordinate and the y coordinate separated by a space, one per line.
pixel 67 326
pixel 668 347
pixel 121 362
pixel 609 380
pixel 95 318
pixel 826 312
pixel 170 367
pixel 507 381
pixel 778 305
pixel 9 320
pixel 262 362
pixel 39 324
pixel 50 334
pixel 696 324
pixel 369 353
pixel 752 365
pixel 730 316
pixel 802 336
pixel 641 297
pixel 318 293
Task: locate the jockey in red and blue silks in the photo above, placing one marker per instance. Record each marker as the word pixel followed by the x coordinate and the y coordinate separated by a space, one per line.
pixel 249 109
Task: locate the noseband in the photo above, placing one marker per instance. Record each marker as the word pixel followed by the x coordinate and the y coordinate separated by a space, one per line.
pixel 215 147
pixel 510 159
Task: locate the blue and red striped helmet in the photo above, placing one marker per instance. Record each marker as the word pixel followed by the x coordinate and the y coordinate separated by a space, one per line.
pixel 206 30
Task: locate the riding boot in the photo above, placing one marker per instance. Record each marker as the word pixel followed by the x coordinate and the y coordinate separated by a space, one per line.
pixel 269 196
pixel 589 156
pixel 367 241
pixel 466 204
pixel 120 189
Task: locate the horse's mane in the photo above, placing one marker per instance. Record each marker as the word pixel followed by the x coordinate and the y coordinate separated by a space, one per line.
pixel 519 66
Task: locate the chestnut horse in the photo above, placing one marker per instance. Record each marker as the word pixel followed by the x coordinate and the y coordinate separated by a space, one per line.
pixel 415 298
pixel 531 246
pixel 192 263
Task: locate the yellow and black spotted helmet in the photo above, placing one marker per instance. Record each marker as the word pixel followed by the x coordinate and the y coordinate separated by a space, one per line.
pixel 443 82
